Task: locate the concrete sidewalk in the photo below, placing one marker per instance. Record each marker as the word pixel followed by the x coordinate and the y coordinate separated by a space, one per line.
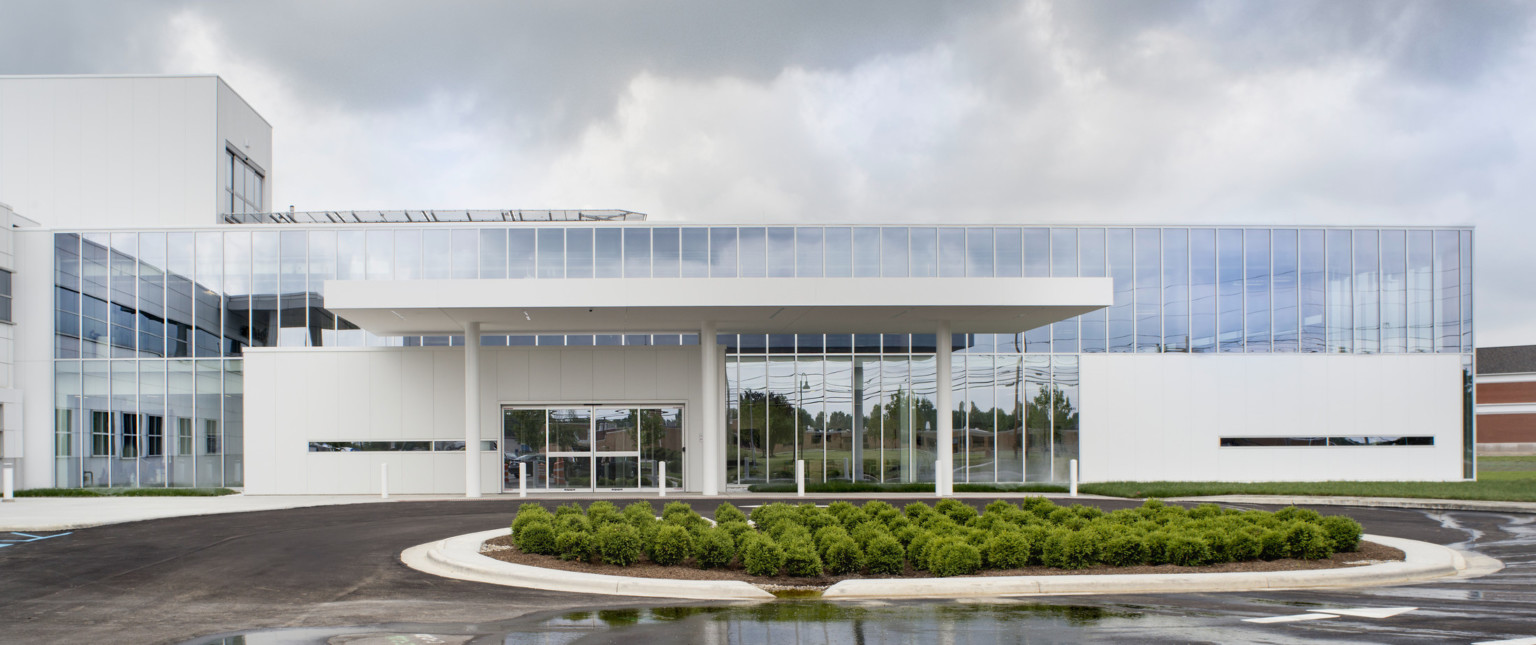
pixel 68 513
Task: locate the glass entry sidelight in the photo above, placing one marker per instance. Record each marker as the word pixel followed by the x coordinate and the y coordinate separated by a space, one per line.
pixel 592 448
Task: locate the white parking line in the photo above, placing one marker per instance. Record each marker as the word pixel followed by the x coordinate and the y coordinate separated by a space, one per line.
pixel 1288 619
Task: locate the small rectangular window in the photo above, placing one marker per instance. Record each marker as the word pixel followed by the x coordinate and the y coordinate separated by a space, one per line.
pixel 5 296
pixel 183 436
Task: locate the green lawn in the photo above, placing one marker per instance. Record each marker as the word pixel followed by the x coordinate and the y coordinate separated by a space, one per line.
pixel 124 492
pixel 1499 478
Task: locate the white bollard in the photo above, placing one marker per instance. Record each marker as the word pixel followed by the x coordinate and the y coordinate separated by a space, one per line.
pixel 9 484
pixel 1072 473
pixel 383 481
pixel 938 478
pixel 522 479
pixel 800 477
pixel 661 478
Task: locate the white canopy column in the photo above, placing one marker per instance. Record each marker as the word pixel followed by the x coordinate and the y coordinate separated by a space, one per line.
pixel 943 400
pixel 472 409
pixel 709 411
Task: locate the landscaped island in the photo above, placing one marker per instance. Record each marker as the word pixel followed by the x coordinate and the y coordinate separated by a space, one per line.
pixel 947 539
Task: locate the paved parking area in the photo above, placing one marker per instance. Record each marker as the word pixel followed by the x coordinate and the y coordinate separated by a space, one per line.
pixel 170 580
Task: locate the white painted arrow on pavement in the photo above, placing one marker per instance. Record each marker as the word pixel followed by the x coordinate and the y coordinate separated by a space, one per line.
pixel 1367 612
pixel 1320 614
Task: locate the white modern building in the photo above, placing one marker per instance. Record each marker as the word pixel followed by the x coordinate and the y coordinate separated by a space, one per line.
pixel 173 328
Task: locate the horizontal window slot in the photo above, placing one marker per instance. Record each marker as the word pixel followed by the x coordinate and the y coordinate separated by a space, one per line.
pixel 1290 442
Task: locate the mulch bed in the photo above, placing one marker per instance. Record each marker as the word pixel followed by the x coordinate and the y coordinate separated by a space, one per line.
pixel 501 548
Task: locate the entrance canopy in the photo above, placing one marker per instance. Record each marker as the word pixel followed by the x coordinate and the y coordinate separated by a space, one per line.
pixel 748 305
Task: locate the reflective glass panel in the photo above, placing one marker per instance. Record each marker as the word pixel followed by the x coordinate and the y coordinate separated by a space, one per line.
pixel 1010 253
pixel 1036 396
pixel 578 253
pixel 1394 292
pixel 436 254
pixel 521 258
pixel 722 252
pixel 754 252
pixel 695 252
pixel 1091 258
pixel 866 252
pixel 1286 293
pixel 668 253
pixel 607 253
pixel 1257 290
pixel 781 252
pixel 1340 321
pixel 1421 291
pixel 978 256
pixel 1175 290
pixel 952 252
pixel 1229 302
pixel 637 252
pixel 466 254
pixel 1122 270
pixel 1037 252
pixel 1149 331
pixel 493 253
pixel 551 247
pixel 925 252
pixel 1466 293
pixel 839 242
pixel 980 438
pixel 893 252
pixel 1448 291
pixel 1313 284
pixel 1367 294
pixel 808 252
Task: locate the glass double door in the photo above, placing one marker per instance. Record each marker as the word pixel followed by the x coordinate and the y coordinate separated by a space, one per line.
pixel 592 447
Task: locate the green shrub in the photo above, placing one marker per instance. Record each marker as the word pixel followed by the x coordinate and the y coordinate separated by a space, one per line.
pixel 716 548
pixel 917 511
pixel 897 522
pixel 885 556
pixel 1344 533
pixel 672 545
pixel 829 534
pixel 1037 506
pixel 1061 516
pixel 842 556
pixel 762 556
pixel 619 544
pixel 1272 545
pixel 675 509
pixel 801 559
pixel 1307 541
pixel 1243 546
pixel 784 531
pixel 603 512
pixel 867 531
pixel 574 546
pixel 917 549
pixel 571 508
pixel 954 558
pixel 726 512
pixel 840 508
pixel 1007 550
pixel 536 537
pixel 905 534
pixel 568 522
pixel 1204 511
pixel 814 518
pixel 957 510
pixel 1069 550
pixel 639 513
pixel 1290 513
pixel 853 518
pixel 998 507
pixel 529 512
pixel 1086 512
pixel 739 532
pixel 1187 550
pixel 1124 549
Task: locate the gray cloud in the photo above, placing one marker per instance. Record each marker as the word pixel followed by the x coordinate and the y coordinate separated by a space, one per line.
pixel 1367 111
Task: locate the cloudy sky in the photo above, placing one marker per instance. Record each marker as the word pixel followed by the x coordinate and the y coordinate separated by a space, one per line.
pixel 1132 111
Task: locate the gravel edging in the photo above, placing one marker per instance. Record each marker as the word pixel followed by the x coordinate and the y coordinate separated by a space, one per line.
pixel 460 557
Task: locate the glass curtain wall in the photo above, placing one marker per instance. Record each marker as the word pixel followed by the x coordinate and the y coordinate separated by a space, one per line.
pixel 180 306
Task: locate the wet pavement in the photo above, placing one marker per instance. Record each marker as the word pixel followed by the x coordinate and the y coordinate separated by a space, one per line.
pixel 332 575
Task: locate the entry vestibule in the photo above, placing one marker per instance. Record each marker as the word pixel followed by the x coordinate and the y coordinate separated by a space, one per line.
pixel 592 447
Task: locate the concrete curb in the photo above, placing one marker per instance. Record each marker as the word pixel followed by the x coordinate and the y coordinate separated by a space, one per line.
pixel 459 557
pixel 1366 502
pixel 1424 561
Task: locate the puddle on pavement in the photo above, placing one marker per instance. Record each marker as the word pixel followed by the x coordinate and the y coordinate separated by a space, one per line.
pixel 775 623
